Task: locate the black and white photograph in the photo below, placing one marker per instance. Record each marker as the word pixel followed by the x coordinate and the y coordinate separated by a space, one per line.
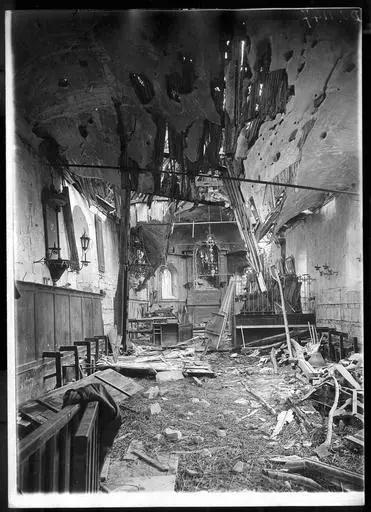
pixel 184 257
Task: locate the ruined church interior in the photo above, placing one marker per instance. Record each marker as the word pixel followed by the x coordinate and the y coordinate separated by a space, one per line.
pixel 185 196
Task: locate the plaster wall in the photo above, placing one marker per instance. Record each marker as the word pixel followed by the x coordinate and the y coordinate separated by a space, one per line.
pixel 31 176
pixel 332 237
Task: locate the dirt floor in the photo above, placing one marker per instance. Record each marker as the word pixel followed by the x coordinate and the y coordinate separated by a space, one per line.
pixel 221 424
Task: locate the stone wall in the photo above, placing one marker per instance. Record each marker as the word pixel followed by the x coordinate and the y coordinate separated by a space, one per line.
pixel 332 236
pixel 32 174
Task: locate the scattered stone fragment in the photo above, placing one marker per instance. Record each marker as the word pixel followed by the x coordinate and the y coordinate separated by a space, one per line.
pixel 152 392
pixel 234 354
pixel 241 401
pixel 206 452
pixel 197 440
pixel 154 409
pixel 172 435
pixel 205 402
pixel 238 467
pixel 307 443
pixel 163 391
pixel 168 376
pixel 221 433
pixel 289 445
pixel 195 400
pixel 157 437
pixel 191 472
pixel 322 451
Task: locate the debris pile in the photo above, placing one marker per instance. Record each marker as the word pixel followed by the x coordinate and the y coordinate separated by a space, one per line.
pixel 163 363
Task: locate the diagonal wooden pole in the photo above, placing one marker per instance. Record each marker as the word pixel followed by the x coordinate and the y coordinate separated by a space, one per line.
pixel 277 278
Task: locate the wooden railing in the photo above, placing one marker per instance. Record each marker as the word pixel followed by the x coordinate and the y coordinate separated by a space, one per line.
pixel 62 455
pixel 86 453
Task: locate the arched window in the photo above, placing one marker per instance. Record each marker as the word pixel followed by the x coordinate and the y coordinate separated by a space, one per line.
pixel 167 277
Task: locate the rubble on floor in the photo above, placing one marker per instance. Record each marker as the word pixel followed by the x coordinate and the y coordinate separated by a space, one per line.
pixel 162 363
pixel 295 429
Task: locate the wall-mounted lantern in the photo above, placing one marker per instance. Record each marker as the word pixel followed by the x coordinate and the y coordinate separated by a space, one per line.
pixel 56 210
pixel 85 241
pixel 327 271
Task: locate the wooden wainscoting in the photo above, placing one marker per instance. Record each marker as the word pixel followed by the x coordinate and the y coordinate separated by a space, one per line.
pixel 47 317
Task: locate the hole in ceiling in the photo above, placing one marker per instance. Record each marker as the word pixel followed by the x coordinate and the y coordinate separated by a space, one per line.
pixel 182 83
pixel 90 120
pixel 188 75
pixel 315 42
pixel 173 86
pixel 349 67
pixel 288 55
pixel 263 56
pixel 291 91
pixel 83 63
pixel 247 73
pixel 142 86
pixel 63 82
pixel 323 135
pixel 276 156
pixel 301 67
pixel 293 135
pixel 83 131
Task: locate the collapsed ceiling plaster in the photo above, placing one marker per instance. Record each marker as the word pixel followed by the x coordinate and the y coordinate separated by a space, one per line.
pixel 318 129
pixel 290 105
pixel 70 67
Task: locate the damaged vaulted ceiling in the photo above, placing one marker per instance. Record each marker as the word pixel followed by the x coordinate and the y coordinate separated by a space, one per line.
pixel 299 119
pixel 77 72
pixel 278 90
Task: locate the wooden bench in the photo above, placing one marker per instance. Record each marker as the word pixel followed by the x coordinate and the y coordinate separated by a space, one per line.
pixel 63 454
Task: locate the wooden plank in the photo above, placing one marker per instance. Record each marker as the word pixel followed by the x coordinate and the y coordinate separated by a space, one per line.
pixel 98 327
pixel 65 458
pixel 25 327
pixel 37 470
pixel 52 464
pixel 356 440
pixel 44 319
pixel 75 318
pixel 347 376
pixel 296 479
pixel 40 436
pixel 125 385
pixel 142 455
pixel 62 320
pixel 82 459
pixel 87 317
pixel 36 412
pixel 327 471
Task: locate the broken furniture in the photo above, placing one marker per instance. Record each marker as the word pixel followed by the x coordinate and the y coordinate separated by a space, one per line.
pixel 57 356
pixel 338 344
pixel 61 454
pixel 254 326
pixel 167 331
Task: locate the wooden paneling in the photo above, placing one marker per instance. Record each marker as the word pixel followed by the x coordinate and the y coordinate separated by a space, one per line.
pixel 25 328
pixel 203 297
pixel 47 317
pixel 44 315
pixel 87 317
pixel 62 320
pixel 97 317
pixel 75 319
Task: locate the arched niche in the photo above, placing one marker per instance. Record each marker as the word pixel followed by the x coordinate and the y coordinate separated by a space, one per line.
pixel 168 277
